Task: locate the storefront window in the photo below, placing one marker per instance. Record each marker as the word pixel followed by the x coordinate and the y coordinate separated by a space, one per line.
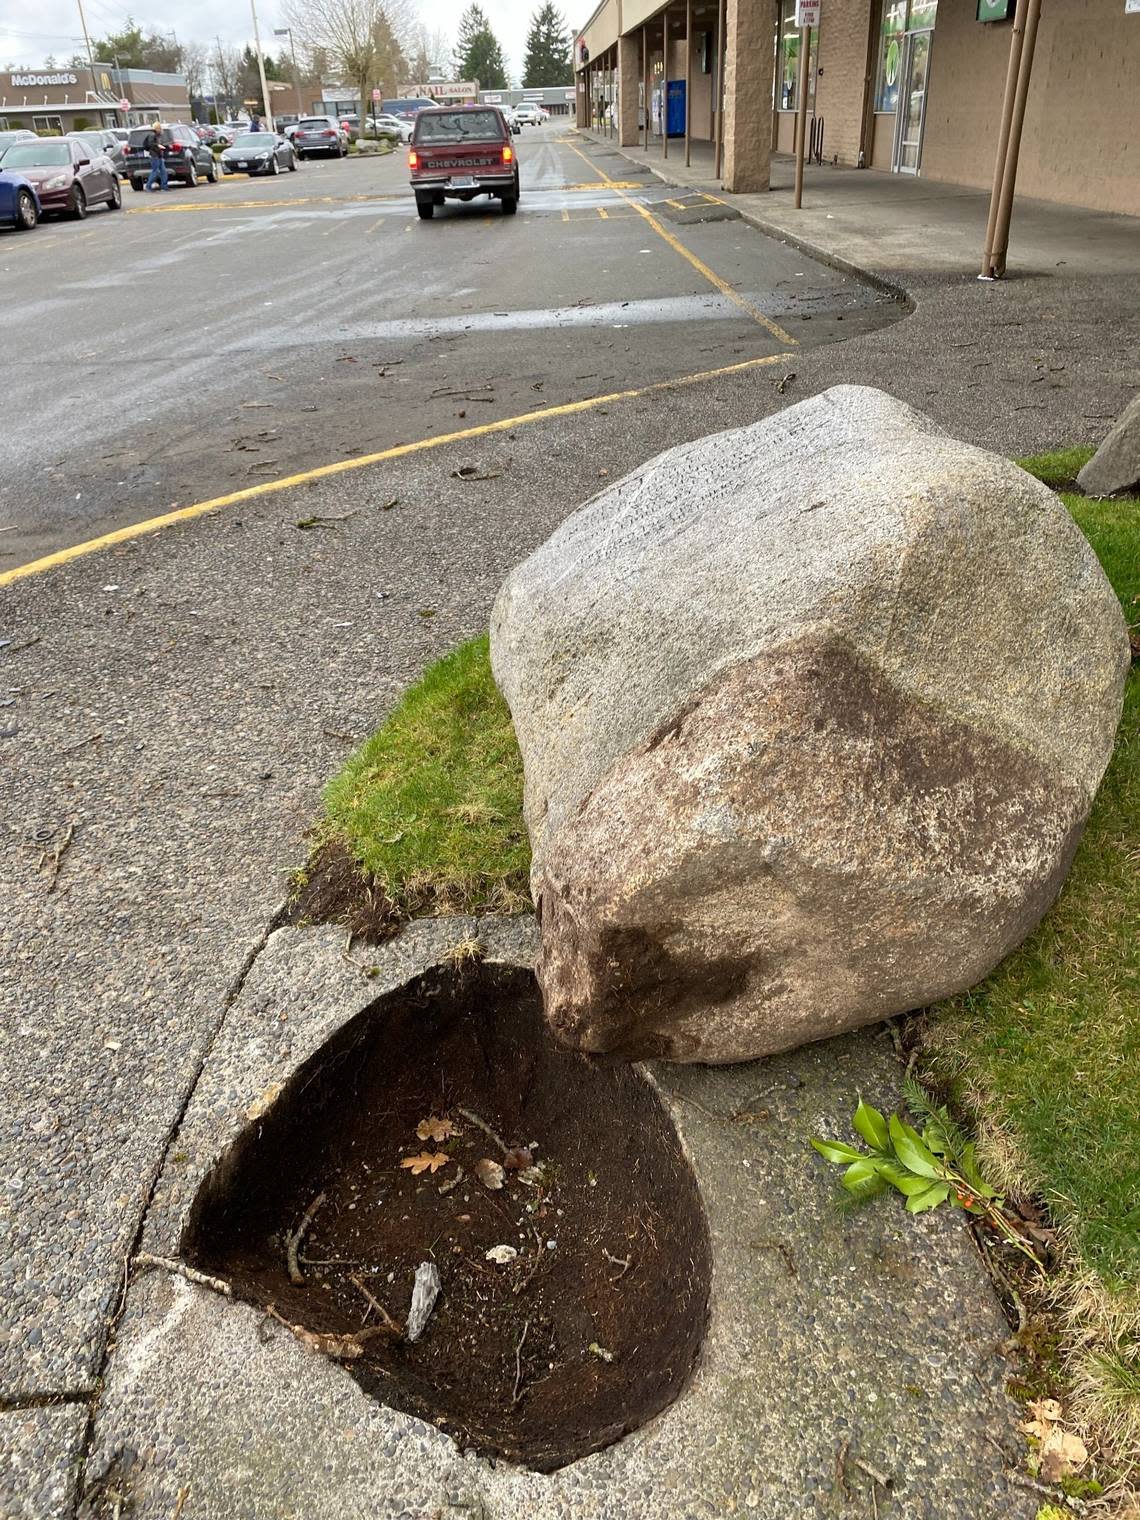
pixel 922 14
pixel 790 59
pixel 48 125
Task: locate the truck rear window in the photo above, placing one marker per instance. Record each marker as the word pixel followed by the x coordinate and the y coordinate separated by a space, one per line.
pixel 458 126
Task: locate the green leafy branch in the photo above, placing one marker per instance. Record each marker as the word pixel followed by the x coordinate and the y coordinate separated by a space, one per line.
pixel 934 1167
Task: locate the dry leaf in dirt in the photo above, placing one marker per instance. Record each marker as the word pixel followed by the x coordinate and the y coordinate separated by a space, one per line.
pixel 490 1173
pixel 517 1159
pixel 435 1129
pixel 1062 1455
pixel 501 1255
pixel 425 1162
pixel 1045 1414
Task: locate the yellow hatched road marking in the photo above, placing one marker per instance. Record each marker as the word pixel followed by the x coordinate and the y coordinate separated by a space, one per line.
pixel 603 213
pixel 343 466
pixel 699 265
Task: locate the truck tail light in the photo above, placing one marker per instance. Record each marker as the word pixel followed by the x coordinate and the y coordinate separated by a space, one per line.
pixel 508 155
pixel 413 158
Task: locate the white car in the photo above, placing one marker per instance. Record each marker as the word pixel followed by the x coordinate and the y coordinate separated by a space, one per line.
pixel 391 126
pixel 530 114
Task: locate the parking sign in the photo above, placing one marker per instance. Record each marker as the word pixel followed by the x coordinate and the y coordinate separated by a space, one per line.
pixel 807 12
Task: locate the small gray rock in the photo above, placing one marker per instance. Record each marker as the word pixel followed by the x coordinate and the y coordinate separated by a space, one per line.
pixel 1116 464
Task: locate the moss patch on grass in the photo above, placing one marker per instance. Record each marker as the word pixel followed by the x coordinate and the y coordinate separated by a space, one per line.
pixel 430 807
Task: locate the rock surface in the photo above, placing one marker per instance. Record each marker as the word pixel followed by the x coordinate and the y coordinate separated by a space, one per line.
pixel 812 715
pixel 1116 464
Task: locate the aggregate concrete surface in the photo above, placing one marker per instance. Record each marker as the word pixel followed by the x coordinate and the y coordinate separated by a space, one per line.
pixel 175 703
pixel 832 1340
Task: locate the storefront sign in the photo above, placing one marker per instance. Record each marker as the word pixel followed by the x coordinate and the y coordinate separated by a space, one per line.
pixel 23 80
pixel 807 12
pixel 995 10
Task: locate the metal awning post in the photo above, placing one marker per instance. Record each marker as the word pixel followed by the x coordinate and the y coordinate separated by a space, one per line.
pixel 645 80
pixel 801 111
pixel 665 83
pixel 688 82
pixel 721 49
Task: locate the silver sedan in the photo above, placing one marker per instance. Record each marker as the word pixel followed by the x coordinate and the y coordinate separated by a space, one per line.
pixel 258 153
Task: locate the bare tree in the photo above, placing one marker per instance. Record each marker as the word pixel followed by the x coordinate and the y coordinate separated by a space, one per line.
pixel 362 38
pixel 195 66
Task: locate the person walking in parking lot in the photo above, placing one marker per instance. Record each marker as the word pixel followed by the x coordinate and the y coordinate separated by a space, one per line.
pixel 152 142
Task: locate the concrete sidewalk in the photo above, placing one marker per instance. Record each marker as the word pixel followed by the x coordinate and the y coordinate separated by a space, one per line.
pixel 904 229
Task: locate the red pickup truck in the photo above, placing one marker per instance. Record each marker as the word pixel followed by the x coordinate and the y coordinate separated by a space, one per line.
pixel 459 152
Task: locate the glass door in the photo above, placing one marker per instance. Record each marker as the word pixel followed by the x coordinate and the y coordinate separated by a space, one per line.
pixel 910 116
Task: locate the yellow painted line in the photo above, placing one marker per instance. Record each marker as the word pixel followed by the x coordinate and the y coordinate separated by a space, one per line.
pixel 603 213
pixel 680 205
pixel 337 200
pixel 699 265
pixel 343 466
pixel 565 214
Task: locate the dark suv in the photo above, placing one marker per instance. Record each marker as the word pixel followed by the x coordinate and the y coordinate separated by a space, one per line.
pixel 188 158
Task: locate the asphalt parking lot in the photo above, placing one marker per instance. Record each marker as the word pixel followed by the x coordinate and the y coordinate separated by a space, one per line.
pixel 214 338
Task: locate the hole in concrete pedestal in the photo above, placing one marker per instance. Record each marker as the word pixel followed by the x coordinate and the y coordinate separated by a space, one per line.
pixel 562 1350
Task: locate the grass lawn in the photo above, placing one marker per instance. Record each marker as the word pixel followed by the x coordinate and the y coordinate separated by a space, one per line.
pixel 430 807
pixel 1045 1054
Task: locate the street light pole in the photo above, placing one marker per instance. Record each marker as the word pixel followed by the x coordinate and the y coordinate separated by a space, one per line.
pixel 287 31
pixel 87 39
pixel 261 66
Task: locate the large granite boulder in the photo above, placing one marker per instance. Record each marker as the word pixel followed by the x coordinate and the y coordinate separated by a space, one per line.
pixel 812 714
pixel 1116 464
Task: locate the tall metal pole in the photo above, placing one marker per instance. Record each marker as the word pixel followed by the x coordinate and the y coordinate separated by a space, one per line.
pixel 721 52
pixel 1009 143
pixel 801 111
pixel 645 79
pixel 87 40
pixel 261 67
pixel 688 82
pixel 287 31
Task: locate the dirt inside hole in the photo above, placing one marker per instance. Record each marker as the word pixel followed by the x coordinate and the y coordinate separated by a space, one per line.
pixel 589 1330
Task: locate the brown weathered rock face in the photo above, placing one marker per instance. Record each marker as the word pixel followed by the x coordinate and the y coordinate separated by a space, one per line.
pixel 812 715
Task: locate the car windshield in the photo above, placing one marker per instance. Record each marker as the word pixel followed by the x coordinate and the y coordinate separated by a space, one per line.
pixel 25 155
pixel 454 126
pixel 253 140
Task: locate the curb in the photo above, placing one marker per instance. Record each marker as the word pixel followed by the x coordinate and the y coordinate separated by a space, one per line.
pixel 781 235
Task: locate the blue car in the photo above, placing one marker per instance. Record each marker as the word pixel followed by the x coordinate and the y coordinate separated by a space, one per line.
pixel 19 203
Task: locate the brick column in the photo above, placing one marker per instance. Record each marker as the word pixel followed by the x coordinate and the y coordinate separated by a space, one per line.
pixel 748 95
pixel 629 77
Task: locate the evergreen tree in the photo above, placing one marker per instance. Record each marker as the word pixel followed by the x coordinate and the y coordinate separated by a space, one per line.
pixel 479 55
pixel 548 60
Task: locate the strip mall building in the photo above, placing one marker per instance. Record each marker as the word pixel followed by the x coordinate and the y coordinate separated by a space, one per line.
pixel 909 86
pixel 61 100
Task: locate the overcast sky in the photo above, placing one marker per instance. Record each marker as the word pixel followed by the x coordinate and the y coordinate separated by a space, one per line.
pixel 23 41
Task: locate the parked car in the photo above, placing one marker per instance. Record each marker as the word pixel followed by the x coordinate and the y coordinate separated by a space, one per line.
pixel 19 201
pixel 389 126
pixel 460 152
pixel 529 113
pixel 407 108
pixel 319 134
pixel 187 156
pixel 67 178
pixel 99 140
pixel 259 153
pixel 18 134
pixel 350 126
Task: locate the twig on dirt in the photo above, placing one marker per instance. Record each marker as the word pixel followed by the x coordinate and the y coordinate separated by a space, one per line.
pixel 623 1262
pixel 449 1187
pixel 386 1318
pixel 342 1348
pixel 71 748
pixel 841 1466
pixel 56 855
pixel 484 1126
pixel 1058 1495
pixel 784 1251
pixel 293 1241
pixel 518 1363
pixel 180 1269
pixel 872 1472
pixel 180 1503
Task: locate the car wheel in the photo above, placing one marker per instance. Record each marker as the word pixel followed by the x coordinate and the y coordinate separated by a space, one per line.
pixel 192 177
pixel 292 163
pixel 116 201
pixel 425 208
pixel 274 166
pixel 27 212
pixel 212 174
pixel 510 205
pixel 77 206
pixel 137 184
